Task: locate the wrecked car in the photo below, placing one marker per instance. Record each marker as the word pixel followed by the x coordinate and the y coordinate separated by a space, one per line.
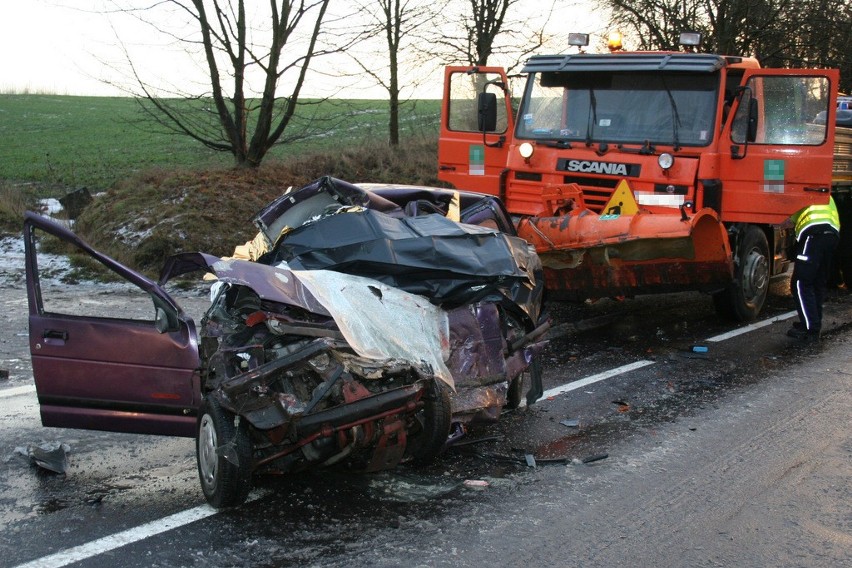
pixel 359 328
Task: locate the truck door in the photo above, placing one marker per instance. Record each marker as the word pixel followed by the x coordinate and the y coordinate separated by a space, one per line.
pixel 129 366
pixel 775 159
pixel 469 158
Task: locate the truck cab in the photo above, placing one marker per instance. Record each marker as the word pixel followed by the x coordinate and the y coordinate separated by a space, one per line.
pixel 647 171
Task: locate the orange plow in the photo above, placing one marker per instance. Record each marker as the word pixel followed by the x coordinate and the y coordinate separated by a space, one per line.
pixel 586 255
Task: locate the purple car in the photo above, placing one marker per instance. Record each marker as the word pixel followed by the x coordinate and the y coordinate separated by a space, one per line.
pixel 363 325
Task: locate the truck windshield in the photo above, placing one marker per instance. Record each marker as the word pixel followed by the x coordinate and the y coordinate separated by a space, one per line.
pixel 676 109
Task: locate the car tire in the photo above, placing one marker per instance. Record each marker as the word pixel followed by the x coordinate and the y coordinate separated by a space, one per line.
pixel 744 298
pixel 224 456
pixel 429 435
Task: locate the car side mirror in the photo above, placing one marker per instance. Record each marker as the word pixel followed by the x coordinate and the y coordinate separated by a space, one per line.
pixel 161 321
pixel 487 112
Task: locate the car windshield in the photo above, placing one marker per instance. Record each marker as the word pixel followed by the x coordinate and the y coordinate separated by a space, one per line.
pixel 675 109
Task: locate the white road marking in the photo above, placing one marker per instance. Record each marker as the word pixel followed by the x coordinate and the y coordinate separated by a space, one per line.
pixel 111 542
pixel 750 327
pixel 639 364
pixel 16 391
pixel 555 391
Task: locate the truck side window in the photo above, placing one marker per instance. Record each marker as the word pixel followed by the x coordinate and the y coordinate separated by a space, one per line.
pixel 788 106
pixel 464 90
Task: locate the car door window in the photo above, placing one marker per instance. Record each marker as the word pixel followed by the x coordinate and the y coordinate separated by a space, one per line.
pixel 73 283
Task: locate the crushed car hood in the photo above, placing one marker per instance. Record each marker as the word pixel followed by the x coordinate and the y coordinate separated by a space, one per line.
pixel 367 312
pixel 334 225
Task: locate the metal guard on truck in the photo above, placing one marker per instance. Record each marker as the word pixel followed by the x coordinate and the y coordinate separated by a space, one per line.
pixel 629 254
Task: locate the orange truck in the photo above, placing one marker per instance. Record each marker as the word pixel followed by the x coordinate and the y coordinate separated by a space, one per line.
pixel 647 172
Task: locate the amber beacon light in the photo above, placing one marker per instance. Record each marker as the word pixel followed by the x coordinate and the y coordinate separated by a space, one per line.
pixel 614 41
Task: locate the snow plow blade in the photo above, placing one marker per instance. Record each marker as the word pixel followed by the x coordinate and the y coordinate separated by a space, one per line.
pixel 586 255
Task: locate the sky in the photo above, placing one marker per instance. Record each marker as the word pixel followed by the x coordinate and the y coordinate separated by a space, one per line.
pixel 71 47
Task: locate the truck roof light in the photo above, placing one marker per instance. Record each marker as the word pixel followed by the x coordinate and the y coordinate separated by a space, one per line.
pixel 580 40
pixel 690 38
pixel 614 41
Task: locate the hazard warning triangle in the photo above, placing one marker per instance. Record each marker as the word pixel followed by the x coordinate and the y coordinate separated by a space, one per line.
pixel 622 202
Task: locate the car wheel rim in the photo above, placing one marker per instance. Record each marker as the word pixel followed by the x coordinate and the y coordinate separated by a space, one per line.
pixel 207 451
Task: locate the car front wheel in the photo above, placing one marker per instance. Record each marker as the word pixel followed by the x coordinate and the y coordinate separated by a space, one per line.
pixel 432 425
pixel 223 452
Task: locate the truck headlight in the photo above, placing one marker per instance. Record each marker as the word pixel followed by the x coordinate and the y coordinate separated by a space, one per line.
pixel 526 150
pixel 665 160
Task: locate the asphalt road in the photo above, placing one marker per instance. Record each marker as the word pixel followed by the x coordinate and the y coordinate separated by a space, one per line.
pixel 740 456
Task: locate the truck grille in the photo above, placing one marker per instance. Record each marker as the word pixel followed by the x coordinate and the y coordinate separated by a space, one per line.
pixel 596 191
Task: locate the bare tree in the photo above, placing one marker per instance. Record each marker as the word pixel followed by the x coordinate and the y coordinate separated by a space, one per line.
pixel 780 33
pixel 475 30
pixel 395 24
pixel 242 112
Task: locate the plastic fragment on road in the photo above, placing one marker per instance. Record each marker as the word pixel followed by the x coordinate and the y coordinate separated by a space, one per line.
pixel 542 461
pixel 476 483
pixel 530 459
pixel 570 423
pixel 597 457
pixel 52 456
pixel 699 349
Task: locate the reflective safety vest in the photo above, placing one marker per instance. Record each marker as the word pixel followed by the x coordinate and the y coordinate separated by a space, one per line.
pixel 817 215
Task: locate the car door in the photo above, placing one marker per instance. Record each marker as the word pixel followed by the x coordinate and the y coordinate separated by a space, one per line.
pixel 128 366
pixel 785 162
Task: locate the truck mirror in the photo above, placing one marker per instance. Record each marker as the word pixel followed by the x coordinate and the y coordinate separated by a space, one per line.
pixel 487 112
pixel 752 120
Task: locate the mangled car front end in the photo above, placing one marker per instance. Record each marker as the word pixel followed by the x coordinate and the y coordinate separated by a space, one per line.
pixel 358 327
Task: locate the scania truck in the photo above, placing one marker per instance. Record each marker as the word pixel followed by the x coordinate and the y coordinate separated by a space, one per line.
pixel 644 172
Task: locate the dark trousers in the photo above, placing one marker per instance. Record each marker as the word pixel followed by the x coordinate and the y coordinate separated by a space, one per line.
pixel 810 274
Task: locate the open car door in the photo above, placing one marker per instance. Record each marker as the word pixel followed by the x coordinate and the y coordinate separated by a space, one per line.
pixel 131 368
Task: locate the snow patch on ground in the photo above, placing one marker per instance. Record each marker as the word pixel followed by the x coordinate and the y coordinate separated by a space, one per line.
pixel 12 270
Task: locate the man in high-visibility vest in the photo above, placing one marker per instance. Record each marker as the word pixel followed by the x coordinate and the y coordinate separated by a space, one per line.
pixel 817 234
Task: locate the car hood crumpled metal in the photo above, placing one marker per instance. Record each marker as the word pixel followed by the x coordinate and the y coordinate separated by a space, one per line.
pixel 383 322
pixel 368 313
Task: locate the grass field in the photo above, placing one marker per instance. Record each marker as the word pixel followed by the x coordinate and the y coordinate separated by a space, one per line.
pixel 70 142
pixel 163 193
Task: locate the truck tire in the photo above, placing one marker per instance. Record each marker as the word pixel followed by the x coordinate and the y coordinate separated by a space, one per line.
pixel 223 453
pixel 744 298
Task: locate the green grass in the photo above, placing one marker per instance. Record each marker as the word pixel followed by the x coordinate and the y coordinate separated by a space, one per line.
pixel 164 193
pixel 61 142
pixel 84 141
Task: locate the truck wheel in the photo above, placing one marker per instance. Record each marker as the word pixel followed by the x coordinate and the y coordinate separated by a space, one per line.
pixel 432 425
pixel 744 298
pixel 223 452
